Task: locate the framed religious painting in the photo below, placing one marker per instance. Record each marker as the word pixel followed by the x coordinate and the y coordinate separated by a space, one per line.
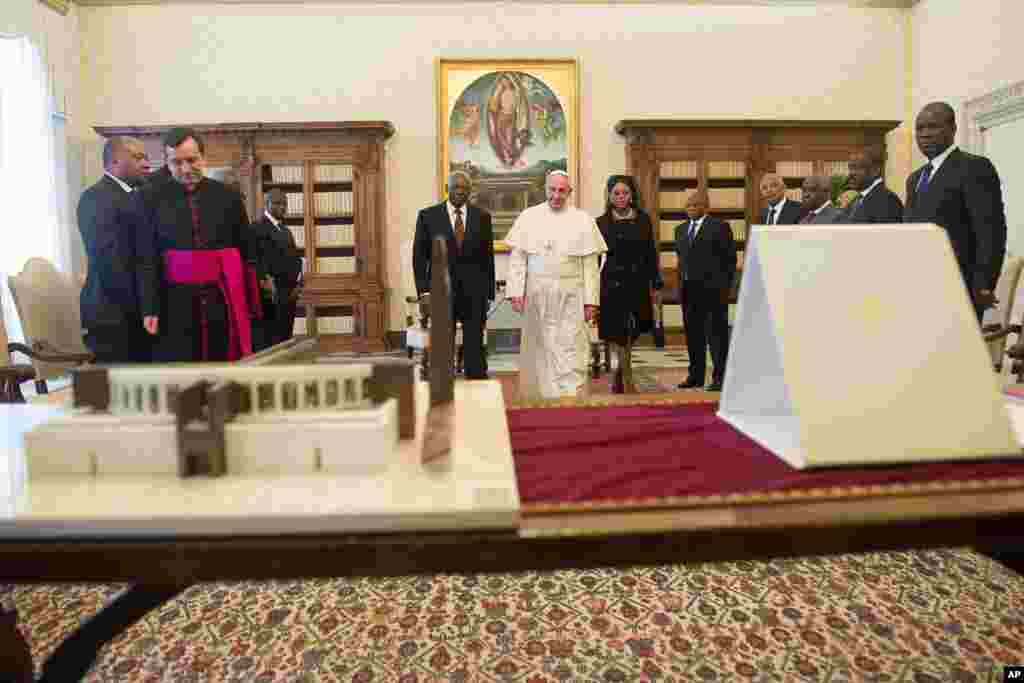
pixel 507 123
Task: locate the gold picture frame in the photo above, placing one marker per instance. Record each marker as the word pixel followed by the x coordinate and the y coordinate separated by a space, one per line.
pixel 61 6
pixel 507 122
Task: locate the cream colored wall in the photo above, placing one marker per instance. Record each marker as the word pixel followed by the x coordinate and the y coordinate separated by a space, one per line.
pixel 197 63
pixel 963 50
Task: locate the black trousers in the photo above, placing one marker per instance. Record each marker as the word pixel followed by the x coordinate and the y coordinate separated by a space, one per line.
pixel 284 315
pixel 180 338
pixel 471 308
pixel 114 344
pixel 706 320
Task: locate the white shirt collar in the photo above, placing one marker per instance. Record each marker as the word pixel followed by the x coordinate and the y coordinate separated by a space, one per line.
pixel 451 212
pixel 870 187
pixel 124 186
pixel 777 209
pixel 271 218
pixel 937 161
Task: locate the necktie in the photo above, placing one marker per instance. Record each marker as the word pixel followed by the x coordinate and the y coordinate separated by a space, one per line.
pixel 856 205
pixel 460 229
pixel 771 214
pixel 922 182
pixel 692 234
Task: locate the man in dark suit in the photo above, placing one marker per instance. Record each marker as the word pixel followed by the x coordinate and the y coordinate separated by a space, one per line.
pixel 960 192
pixel 779 209
pixel 876 203
pixel 278 268
pixel 707 266
pixel 470 262
pixel 191 236
pixel 817 202
pixel 109 300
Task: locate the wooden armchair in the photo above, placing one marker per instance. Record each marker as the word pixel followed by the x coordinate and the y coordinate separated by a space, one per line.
pixel 996 322
pixel 11 374
pixel 47 303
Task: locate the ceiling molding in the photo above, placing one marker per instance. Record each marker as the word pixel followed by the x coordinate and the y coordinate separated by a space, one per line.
pixel 875 4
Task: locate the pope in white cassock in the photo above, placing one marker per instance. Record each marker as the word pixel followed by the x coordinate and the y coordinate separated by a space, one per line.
pixel 554 280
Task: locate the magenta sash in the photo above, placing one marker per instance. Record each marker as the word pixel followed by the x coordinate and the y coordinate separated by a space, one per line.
pixel 222 267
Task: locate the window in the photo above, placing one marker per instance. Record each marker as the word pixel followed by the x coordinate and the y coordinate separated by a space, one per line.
pixel 28 171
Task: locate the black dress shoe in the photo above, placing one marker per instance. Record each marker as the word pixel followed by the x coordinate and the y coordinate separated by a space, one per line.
pixel 714 386
pixel 690 384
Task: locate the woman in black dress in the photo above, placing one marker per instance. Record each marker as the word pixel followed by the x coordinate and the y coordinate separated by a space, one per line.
pixel 630 271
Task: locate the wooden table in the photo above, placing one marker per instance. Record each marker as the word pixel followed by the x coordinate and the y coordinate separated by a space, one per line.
pixel 162 560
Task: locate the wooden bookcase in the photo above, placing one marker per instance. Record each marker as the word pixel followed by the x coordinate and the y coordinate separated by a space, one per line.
pixel 673 158
pixel 333 174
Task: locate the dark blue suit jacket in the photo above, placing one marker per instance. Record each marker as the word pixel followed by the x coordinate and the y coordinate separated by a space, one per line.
pixel 965 198
pixel 110 296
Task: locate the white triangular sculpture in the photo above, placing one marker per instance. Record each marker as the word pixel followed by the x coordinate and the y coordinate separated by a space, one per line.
pixel 858 344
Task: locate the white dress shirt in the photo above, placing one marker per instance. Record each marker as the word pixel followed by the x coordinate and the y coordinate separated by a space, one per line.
pixel 937 161
pixel 870 187
pixel 451 214
pixel 124 186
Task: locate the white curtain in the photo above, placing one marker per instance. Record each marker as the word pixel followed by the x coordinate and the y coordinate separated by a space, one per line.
pixel 27 168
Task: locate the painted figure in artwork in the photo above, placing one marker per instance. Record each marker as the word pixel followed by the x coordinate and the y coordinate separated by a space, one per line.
pixel 508 120
pixel 507 130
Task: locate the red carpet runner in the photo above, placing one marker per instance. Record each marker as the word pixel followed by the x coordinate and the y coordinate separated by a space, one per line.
pixel 611 454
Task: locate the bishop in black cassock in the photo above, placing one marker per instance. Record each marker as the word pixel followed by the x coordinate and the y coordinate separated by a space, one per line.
pixel 178 225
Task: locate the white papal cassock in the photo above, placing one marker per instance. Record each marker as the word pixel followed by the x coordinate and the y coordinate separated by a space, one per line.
pixel 554 265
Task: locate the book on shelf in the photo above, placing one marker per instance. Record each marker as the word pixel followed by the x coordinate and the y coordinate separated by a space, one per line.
pixel 299 328
pixel 336 324
pixel 794 169
pixel 674 200
pixel 667 230
pixel 686 170
pixel 796 194
pixel 333 173
pixel 336 236
pixel 727 197
pixel 286 174
pixel 333 203
pixel 296 203
pixel 831 168
pixel 299 233
pixel 739 228
pixel 336 265
pixel 727 169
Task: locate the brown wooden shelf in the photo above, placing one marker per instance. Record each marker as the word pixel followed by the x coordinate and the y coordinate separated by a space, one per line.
pixel 253 148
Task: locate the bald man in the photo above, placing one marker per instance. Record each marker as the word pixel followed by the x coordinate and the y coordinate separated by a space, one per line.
pixel 960 192
pixel 779 209
pixel 554 281
pixel 817 201
pixel 109 301
pixel 470 238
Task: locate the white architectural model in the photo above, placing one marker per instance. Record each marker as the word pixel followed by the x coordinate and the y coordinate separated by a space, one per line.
pixel 285 419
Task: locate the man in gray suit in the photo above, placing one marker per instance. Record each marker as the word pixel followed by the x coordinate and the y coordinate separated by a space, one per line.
pixel 817 201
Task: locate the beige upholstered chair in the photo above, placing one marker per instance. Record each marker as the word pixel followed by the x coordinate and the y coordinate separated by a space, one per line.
pixel 1006 309
pixel 47 303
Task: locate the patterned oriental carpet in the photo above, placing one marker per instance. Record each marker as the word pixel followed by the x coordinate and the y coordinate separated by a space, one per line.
pixel 928 617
